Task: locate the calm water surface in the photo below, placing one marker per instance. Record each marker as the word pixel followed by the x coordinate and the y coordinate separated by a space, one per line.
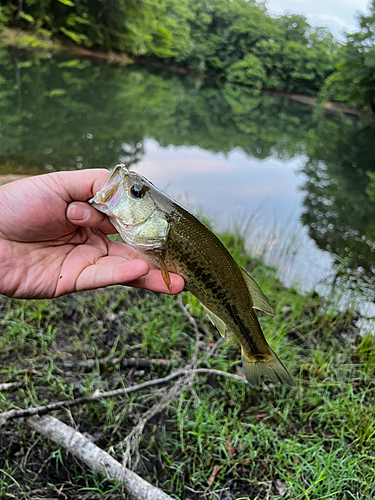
pixel 306 178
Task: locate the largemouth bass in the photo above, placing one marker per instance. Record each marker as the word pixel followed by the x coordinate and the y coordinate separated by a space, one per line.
pixel 171 238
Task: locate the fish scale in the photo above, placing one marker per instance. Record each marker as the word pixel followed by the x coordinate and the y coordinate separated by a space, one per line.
pixel 223 292
pixel 174 240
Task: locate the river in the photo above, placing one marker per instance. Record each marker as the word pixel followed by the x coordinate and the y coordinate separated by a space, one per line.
pixel 305 178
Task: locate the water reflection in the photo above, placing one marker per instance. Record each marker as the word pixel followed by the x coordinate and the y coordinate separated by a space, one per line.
pixel 339 210
pixel 67 113
pixel 227 145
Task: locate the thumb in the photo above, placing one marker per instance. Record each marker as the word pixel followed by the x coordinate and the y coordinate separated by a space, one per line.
pixel 83 214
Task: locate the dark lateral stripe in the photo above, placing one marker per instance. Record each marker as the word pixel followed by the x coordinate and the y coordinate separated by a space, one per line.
pixel 245 331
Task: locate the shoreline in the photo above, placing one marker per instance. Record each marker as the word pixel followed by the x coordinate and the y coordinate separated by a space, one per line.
pixel 23 39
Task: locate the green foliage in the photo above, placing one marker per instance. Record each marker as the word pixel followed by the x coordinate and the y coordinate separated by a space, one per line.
pixel 370 190
pixel 354 78
pixel 241 42
pixel 305 56
pixel 79 39
pixel 6 13
pixel 250 69
pixel 67 2
pixel 139 27
pixel 237 39
pixel 27 17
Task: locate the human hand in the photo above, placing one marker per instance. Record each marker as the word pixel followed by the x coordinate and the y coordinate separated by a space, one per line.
pixel 53 243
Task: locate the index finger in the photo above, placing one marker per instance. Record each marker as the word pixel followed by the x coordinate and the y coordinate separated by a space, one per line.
pixel 78 185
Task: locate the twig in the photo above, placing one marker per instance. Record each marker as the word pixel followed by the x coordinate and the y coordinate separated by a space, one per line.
pixel 8 386
pixel 195 362
pixel 130 445
pixel 131 442
pixel 138 363
pixel 97 459
pixel 184 309
pixel 210 353
pixel 28 453
pixel 5 416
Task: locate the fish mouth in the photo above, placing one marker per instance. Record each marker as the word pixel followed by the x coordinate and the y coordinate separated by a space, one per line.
pixel 103 196
pixel 138 222
pixel 106 193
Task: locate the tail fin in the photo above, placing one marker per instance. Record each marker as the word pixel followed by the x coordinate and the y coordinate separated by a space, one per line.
pixel 272 369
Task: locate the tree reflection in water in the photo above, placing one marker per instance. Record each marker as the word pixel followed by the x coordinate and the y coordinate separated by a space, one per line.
pixel 60 113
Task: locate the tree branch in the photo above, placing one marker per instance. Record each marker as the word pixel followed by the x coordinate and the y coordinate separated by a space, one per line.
pixel 9 386
pixel 137 363
pixel 97 459
pixel 8 415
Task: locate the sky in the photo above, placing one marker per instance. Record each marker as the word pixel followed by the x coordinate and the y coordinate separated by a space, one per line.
pixel 337 15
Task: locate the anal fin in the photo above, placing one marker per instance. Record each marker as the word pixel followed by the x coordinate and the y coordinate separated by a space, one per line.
pixel 220 325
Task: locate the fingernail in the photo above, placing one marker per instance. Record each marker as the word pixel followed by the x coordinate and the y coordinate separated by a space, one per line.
pixel 78 213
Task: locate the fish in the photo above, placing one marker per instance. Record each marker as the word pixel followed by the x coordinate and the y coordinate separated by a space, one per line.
pixel 174 240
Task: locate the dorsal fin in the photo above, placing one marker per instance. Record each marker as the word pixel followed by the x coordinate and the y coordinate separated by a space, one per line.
pixel 260 301
pixel 220 325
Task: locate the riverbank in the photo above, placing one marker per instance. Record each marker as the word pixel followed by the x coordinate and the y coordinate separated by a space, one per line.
pixel 215 438
pixel 30 40
pixel 211 438
pixel 20 39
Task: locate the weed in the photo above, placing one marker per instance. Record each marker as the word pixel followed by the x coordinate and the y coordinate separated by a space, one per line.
pixel 314 441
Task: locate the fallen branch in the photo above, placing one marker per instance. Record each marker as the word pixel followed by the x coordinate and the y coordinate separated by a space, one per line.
pixel 97 459
pixel 8 415
pixel 8 386
pixel 138 363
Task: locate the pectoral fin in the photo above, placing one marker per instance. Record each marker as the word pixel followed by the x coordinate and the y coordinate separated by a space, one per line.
pixel 260 301
pixel 165 273
pixel 220 325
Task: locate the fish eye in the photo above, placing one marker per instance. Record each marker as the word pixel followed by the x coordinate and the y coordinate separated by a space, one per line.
pixel 137 191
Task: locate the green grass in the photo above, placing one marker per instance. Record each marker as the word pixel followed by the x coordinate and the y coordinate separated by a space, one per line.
pixel 314 441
